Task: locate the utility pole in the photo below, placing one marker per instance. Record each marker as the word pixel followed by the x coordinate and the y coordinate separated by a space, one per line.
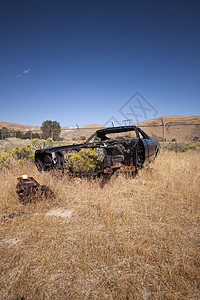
pixel 163 127
pixel 128 121
pixel 113 132
pixel 78 133
pixel 30 134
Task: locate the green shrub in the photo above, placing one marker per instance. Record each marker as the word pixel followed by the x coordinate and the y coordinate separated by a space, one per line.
pixel 182 147
pixel 86 160
pixel 192 146
pixel 22 155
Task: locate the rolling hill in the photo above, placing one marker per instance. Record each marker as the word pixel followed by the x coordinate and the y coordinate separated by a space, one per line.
pixel 174 128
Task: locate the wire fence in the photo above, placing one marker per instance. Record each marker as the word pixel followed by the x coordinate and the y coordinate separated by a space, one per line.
pixel 164 132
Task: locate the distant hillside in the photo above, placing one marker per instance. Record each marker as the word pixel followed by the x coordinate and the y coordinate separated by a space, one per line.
pixel 178 132
pixel 23 127
pixel 71 133
pixel 20 127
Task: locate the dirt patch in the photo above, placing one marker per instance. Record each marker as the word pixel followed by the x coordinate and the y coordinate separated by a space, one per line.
pixel 62 213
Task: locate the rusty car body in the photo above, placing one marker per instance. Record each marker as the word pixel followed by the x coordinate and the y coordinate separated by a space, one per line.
pixel 123 148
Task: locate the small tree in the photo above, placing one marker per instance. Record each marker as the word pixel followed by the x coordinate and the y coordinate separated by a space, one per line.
pixel 51 129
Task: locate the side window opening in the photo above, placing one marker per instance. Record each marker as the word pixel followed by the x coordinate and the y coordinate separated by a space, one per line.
pixel 142 134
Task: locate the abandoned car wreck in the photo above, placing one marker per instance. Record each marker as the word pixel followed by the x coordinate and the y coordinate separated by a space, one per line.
pixel 121 149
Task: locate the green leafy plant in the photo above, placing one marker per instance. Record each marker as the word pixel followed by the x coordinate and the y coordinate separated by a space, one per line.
pixel 22 155
pixel 86 160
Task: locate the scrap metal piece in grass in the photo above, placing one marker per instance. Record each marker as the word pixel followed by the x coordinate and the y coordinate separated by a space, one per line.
pixel 30 191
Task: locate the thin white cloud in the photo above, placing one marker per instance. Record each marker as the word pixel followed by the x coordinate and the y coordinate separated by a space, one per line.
pixel 26 71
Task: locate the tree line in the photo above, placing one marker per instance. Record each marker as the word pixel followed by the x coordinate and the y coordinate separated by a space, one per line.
pixel 7 133
pixel 48 129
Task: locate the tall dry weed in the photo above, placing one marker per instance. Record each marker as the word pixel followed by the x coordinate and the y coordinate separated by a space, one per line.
pixel 131 238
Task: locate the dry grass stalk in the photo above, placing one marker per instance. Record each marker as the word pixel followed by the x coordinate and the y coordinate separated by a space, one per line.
pixel 135 238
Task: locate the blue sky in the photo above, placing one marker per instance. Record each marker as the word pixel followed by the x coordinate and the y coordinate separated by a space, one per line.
pixel 79 62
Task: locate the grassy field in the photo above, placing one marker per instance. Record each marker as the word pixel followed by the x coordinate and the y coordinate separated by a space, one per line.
pixel 10 143
pixel 129 238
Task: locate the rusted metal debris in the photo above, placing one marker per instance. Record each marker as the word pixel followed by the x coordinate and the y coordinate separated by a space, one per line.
pixel 30 191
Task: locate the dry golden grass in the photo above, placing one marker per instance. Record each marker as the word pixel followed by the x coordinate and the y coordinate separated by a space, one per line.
pixel 10 143
pixel 135 238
